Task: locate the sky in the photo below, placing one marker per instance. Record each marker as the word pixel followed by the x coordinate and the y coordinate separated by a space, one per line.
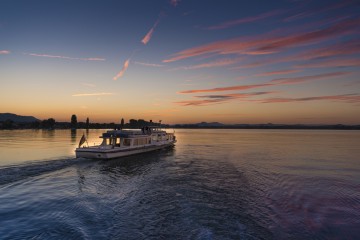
pixel 182 61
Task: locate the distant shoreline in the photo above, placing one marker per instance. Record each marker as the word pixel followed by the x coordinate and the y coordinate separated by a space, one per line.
pixel 13 121
pixel 259 127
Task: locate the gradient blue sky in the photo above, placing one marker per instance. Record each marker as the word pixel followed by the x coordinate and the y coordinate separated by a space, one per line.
pixel 182 61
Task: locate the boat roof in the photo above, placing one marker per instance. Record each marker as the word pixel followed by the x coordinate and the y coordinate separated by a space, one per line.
pixel 124 133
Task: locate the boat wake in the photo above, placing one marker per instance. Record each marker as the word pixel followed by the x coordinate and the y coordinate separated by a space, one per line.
pixel 13 173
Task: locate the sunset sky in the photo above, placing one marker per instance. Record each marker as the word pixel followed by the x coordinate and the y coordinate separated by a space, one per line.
pixel 182 61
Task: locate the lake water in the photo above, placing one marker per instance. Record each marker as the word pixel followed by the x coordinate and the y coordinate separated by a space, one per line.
pixel 214 184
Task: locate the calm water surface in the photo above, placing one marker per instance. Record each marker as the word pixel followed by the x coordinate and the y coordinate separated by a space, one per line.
pixel 214 184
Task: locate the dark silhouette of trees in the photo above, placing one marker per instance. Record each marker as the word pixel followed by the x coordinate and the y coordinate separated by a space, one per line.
pixel 8 124
pixel 87 123
pixel 122 123
pixel 73 121
pixel 49 124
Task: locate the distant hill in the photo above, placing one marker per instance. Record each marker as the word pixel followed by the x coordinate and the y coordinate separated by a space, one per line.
pixel 211 124
pixel 17 118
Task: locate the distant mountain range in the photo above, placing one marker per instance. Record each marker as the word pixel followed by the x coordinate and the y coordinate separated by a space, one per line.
pixel 211 124
pixel 17 118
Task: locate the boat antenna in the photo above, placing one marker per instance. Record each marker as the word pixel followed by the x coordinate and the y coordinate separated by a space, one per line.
pixel 160 123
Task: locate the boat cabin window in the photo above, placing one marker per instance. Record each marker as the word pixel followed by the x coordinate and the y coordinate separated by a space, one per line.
pixel 127 142
pixel 106 141
pixel 140 141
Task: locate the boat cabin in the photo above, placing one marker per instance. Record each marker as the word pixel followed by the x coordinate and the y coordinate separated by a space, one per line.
pixel 133 138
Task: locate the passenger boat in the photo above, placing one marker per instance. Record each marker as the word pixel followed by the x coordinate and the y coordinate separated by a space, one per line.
pixel 120 143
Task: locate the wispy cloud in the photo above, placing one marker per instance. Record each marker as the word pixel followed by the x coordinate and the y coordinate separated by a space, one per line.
pixel 245 20
pixel 348 98
pixel 92 94
pixel 278 81
pixel 334 50
pixel 148 36
pixel 316 11
pixel 217 99
pixel 338 49
pixel 88 84
pixel 330 63
pixel 295 80
pixel 4 52
pixel 122 71
pixel 216 63
pixel 280 72
pixel 350 84
pixel 341 28
pixel 232 88
pixel 64 57
pixel 271 44
pixel 232 46
pixel 174 2
pixel 149 64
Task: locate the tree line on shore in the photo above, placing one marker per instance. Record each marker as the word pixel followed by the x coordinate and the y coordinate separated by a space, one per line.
pixel 51 123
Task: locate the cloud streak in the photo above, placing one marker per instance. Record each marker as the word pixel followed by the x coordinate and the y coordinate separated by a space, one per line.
pixel 64 57
pixel 331 63
pixel 296 80
pixel 348 98
pixel 232 88
pixel 122 71
pixel 88 84
pixel 149 64
pixel 335 50
pixel 4 52
pixel 278 81
pixel 148 36
pixel 340 28
pixel 317 11
pixel 217 99
pixel 245 20
pixel 216 63
pixel 92 94
pixel 174 2
pixel 280 72
pixel 261 45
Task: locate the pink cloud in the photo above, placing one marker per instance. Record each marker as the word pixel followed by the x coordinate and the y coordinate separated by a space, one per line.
pixel 261 45
pixel 217 99
pixel 245 20
pixel 280 72
pixel 341 28
pixel 350 84
pixel 4 52
pixel 279 81
pixel 64 57
pixel 316 11
pixel 174 2
pixel 330 63
pixel 334 50
pixel 92 94
pixel 149 64
pixel 348 98
pixel 216 63
pixel 148 36
pixel 232 88
pixel 302 79
pixel 122 71
pixel 232 46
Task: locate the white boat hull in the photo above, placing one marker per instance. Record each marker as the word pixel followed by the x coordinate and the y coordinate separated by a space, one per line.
pixel 117 152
